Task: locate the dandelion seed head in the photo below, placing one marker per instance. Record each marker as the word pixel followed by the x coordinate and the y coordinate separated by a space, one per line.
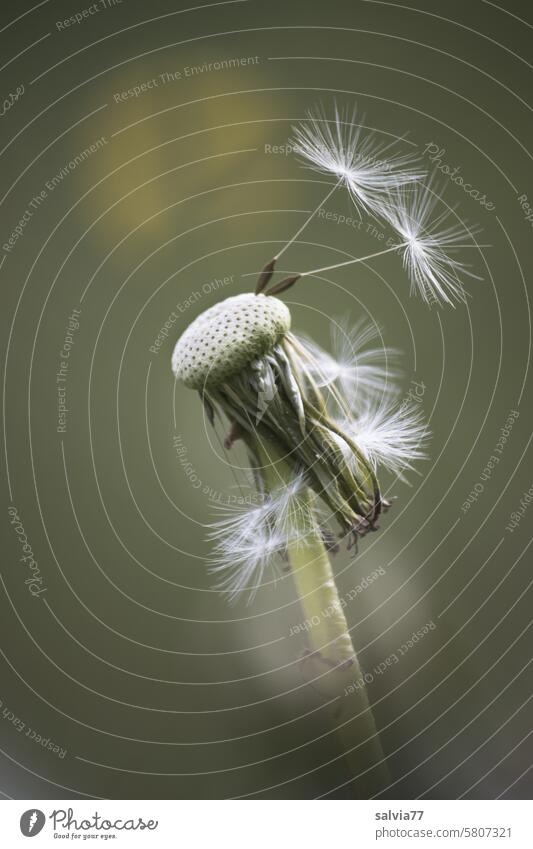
pixel 227 336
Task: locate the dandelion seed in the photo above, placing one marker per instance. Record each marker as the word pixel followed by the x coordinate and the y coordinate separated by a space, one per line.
pixel 389 436
pixel 426 247
pixel 246 545
pixel 362 371
pixel 427 244
pixel 252 539
pixel 342 147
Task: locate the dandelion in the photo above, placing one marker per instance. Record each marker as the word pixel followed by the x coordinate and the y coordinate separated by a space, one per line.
pixel 241 352
pixel 318 426
pixel 283 397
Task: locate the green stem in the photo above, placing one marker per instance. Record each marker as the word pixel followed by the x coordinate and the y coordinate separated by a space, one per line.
pixel 332 664
pixel 317 591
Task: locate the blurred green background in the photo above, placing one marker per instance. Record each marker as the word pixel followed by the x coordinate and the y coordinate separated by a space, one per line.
pixel 130 661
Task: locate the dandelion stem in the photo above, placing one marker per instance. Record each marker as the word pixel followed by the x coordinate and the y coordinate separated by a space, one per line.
pixel 308 219
pixel 332 662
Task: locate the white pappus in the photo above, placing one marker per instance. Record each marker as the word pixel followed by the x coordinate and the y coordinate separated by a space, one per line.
pixel 364 164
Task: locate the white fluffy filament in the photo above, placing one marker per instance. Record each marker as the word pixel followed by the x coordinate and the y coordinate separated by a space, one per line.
pixel 342 147
pixel 363 372
pixel 251 539
pixel 392 437
pixel 427 243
